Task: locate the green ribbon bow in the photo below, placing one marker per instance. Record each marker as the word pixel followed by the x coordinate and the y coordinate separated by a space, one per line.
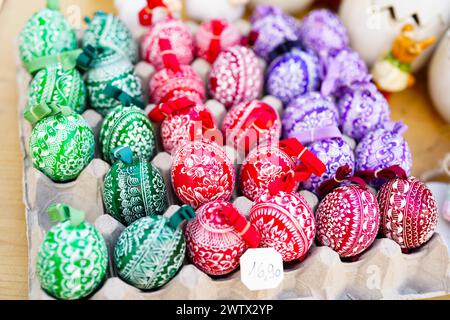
pixel 121 96
pixel 68 60
pixel 61 212
pixel 124 154
pixel 34 114
pixel 186 212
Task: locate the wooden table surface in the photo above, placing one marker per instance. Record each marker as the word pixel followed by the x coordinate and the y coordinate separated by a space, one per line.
pixel 428 135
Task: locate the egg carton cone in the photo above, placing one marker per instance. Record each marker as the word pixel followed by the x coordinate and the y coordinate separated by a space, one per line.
pixel 382 272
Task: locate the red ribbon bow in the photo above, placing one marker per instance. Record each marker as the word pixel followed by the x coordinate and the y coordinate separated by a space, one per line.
pixel 215 45
pixel 168 55
pixel 146 14
pixel 245 229
pixel 342 174
pixel 162 110
pixel 289 182
pixel 295 148
pixel 390 173
pixel 207 122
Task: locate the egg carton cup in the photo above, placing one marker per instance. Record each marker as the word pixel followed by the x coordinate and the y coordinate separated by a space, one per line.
pixel 382 272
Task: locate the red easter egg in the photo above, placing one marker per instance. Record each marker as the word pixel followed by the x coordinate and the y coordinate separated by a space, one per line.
pixel 184 125
pixel 201 173
pixel 285 222
pixel 250 124
pixel 347 220
pixel 213 37
pixel 177 33
pixel 168 85
pixel 212 244
pixel 408 212
pixel 236 76
pixel 262 166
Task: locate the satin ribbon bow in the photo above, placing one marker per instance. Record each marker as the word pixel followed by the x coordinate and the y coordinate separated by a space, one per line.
pixel 317 134
pixel 290 181
pixel 62 212
pixel 121 96
pixel 243 227
pixel 389 173
pixel 294 148
pixel 215 45
pixel 124 154
pixel 186 212
pixel 342 175
pixel 260 119
pixel 146 14
pixel 163 110
pixel 34 114
pixel 170 60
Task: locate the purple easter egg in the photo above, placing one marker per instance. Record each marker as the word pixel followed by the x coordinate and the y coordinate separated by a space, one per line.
pixel 384 147
pixel 263 10
pixel 343 70
pixel 272 31
pixel 334 153
pixel 292 74
pixel 322 31
pixel 362 109
pixel 308 112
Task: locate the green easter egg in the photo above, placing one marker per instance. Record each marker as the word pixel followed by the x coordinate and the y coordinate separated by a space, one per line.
pixel 55 86
pixel 134 190
pixel 110 33
pixel 127 126
pixel 112 69
pixel 72 260
pixel 46 33
pixel 62 146
pixel 149 252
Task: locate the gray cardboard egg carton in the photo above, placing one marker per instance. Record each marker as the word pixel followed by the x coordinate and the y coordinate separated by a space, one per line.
pixel 383 272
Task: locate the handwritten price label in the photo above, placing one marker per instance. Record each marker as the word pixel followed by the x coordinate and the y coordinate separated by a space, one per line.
pixel 261 269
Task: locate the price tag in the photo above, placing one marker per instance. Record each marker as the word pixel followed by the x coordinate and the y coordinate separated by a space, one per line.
pixel 261 269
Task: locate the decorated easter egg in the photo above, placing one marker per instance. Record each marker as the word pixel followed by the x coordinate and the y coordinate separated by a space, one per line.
pixel 347 220
pixel 408 211
pixel 362 110
pixel 168 84
pixel 322 31
pixel 109 33
pixel 334 153
pixel 73 258
pixel 116 70
pixel 213 37
pixel 383 148
pixel 270 29
pixel 183 120
pixel 236 76
pixel 311 117
pixel 149 269
pixel 201 173
pixel 292 75
pixel 46 33
pixel 61 146
pixel 133 188
pixel 177 33
pixel 127 126
pixel 343 70
pixel 55 85
pixel 285 222
pixel 213 243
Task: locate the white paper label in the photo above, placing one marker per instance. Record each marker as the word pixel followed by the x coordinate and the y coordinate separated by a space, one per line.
pixel 261 268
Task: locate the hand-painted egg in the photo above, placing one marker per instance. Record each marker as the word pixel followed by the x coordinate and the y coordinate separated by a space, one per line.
pixel 307 113
pixel 408 211
pixel 250 124
pixel 347 220
pixel 178 34
pixel 362 110
pixel 334 153
pixel 292 75
pixel 383 148
pixel 322 31
pixel 236 76
pixel 201 173
pixel 167 85
pixel 213 245
pixel 285 222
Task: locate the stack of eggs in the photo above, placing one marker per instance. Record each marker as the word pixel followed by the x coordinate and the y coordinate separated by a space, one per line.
pixel 328 103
